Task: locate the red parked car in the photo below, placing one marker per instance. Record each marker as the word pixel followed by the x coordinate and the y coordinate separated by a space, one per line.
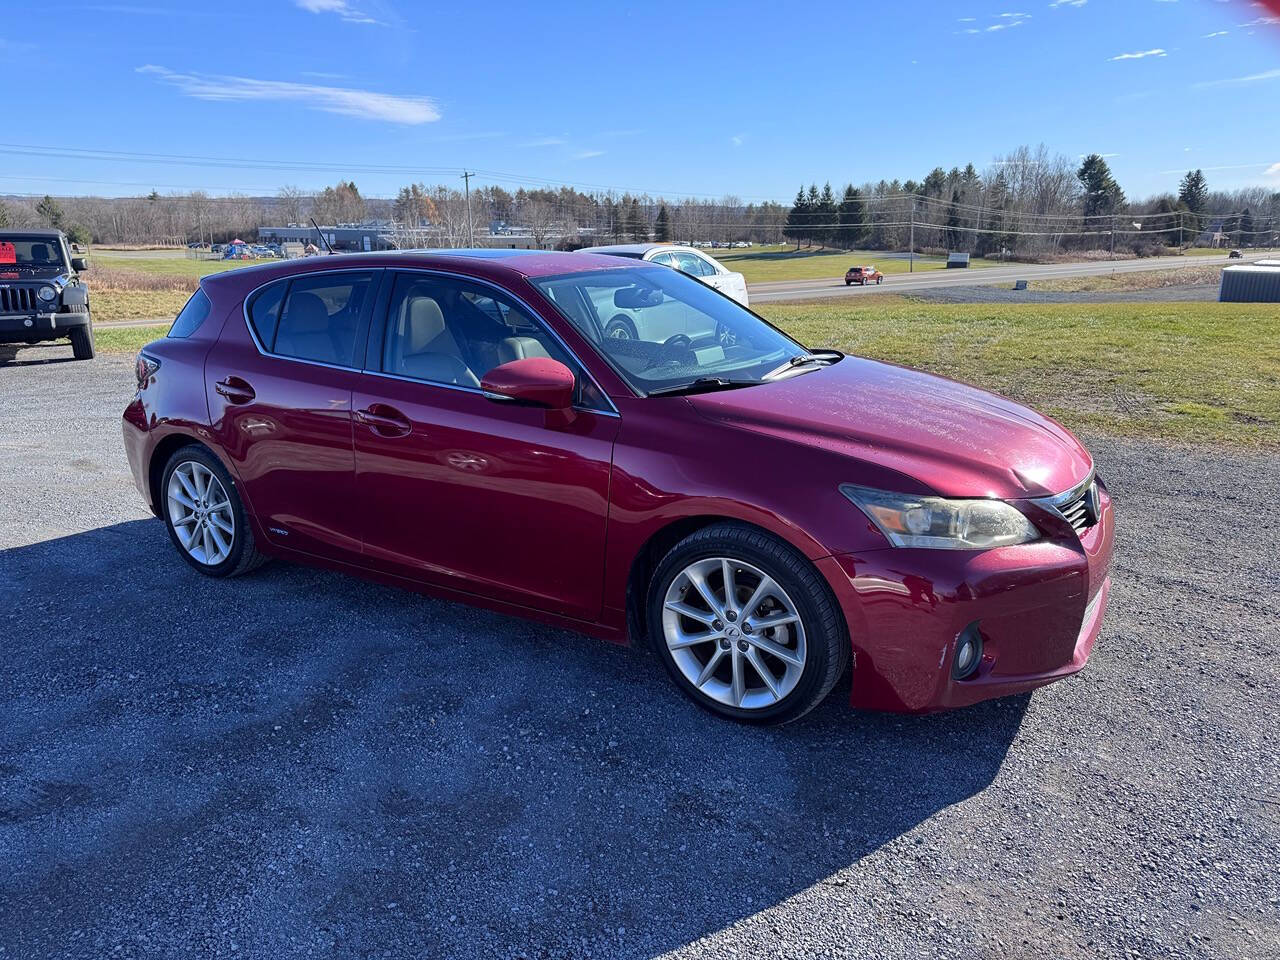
pixel 763 513
pixel 862 276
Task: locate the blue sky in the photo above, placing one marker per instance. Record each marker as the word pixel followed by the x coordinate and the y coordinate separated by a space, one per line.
pixel 749 97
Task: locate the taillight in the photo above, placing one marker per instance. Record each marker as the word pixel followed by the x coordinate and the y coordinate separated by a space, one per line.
pixel 145 369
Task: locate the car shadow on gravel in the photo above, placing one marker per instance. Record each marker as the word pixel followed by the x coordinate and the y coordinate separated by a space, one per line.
pixel 302 761
pixel 34 354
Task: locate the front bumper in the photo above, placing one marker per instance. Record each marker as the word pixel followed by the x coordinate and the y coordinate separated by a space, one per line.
pixel 20 327
pixel 1038 606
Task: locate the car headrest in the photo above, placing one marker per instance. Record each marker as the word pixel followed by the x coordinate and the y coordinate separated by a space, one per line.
pixel 424 322
pixel 39 251
pixel 306 313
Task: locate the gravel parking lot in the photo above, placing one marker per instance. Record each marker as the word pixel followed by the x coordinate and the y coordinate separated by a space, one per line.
pixel 301 763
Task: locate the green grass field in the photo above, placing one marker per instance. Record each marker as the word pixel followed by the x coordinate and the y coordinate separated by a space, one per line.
pixel 1198 372
pixel 166 266
pixel 762 264
pixel 1201 372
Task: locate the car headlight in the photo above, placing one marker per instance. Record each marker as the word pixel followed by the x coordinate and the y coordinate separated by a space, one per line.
pixel 940 523
pixel 47 293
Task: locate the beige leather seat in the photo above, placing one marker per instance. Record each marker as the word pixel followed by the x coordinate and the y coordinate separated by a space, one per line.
pixel 519 348
pixel 304 330
pixel 425 348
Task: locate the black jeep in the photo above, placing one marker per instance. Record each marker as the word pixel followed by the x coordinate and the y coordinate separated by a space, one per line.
pixel 42 296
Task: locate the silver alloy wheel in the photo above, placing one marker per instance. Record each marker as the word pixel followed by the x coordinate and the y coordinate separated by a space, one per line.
pixel 200 512
pixel 734 633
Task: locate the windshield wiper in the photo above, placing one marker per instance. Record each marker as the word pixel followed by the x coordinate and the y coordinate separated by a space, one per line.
pixel 702 385
pixel 801 360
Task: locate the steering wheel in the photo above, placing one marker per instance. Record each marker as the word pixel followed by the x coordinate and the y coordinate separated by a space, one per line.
pixel 677 342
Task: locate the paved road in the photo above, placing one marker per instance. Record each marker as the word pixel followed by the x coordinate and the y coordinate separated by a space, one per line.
pixel 300 763
pixel 935 279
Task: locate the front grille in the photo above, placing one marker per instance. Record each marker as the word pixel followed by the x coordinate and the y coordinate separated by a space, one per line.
pixel 17 299
pixel 1082 511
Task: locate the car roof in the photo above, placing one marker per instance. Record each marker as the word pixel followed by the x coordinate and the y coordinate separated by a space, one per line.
pixel 43 232
pixel 633 248
pixel 494 264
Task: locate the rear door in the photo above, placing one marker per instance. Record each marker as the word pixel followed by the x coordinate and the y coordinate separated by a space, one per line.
pixel 279 384
pixel 504 501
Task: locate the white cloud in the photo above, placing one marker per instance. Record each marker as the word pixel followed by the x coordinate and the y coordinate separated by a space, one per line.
pixel 340 7
pixel 1261 22
pixel 1157 52
pixel 1216 33
pixel 736 140
pixel 1240 81
pixel 1067 3
pixel 546 142
pixel 588 154
pixel 1273 170
pixel 966 19
pixel 366 104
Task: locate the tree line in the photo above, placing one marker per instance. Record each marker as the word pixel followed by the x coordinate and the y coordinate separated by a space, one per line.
pixel 1027 202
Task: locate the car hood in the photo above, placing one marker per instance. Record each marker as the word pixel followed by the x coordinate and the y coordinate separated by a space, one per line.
pixel 954 439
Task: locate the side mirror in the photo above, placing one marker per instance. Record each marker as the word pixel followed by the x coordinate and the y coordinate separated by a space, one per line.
pixel 79 264
pixel 537 381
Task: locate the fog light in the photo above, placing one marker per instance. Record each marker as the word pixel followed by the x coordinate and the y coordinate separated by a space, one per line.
pixel 968 653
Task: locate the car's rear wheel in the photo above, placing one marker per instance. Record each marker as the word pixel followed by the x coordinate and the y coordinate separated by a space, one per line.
pixel 745 625
pixel 82 344
pixel 205 516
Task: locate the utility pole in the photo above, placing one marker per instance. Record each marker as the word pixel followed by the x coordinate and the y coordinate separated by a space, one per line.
pixel 471 233
pixel 911 268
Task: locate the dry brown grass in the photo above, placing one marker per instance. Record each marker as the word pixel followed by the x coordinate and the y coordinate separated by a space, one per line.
pixel 1132 282
pixel 103 278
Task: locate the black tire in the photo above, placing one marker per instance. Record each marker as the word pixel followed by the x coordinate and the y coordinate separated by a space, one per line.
pixel 244 555
pixel 82 345
pixel 848 283
pixel 878 280
pixel 621 327
pixel 827 638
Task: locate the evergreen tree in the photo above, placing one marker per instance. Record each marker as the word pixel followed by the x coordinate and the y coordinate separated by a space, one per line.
pixel 1194 191
pixel 662 225
pixel 635 223
pixel 812 200
pixel 1102 195
pixel 50 211
pixel 851 217
pixel 826 218
pixel 797 218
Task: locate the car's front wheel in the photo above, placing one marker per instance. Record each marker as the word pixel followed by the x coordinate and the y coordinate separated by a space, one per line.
pixel 82 343
pixel 745 625
pixel 205 516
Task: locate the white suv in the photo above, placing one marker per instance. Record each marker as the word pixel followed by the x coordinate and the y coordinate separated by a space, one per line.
pixel 685 259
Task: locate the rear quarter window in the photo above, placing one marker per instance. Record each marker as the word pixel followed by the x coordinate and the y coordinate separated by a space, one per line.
pixel 192 315
pixel 264 313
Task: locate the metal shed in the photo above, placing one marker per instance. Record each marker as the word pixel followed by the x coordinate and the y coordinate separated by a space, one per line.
pixel 1250 283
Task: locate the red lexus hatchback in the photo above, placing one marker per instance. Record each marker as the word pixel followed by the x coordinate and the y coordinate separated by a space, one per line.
pixel 460 423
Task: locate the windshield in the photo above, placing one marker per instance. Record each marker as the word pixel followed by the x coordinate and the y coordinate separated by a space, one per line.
pixel 31 251
pixel 661 329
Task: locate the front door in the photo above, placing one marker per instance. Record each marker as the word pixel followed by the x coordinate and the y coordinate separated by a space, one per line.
pixel 504 501
pixel 280 406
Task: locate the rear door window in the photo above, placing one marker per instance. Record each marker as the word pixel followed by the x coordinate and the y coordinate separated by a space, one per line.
pixel 321 315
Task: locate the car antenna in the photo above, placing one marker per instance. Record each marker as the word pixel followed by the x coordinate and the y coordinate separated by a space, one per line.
pixel 323 238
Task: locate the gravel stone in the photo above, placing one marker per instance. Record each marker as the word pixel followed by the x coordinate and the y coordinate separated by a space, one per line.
pixel 301 763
